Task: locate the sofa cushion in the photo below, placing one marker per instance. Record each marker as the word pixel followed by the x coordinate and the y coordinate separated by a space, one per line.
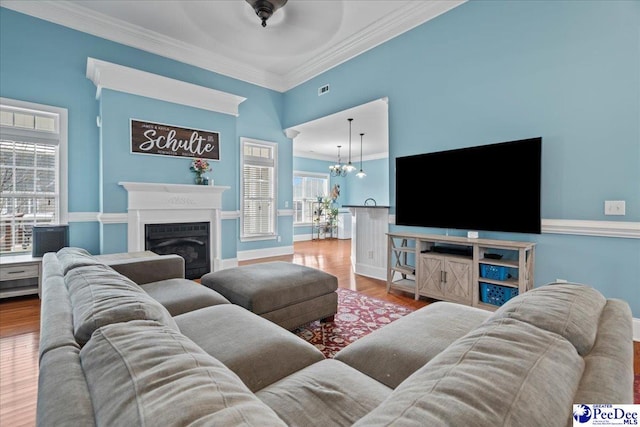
pixel 504 373
pixel 71 258
pixel 100 296
pixel 258 351
pixel 142 373
pixel 61 382
pixel 56 321
pixel 394 352
pixel 182 295
pixel 269 286
pixel 145 267
pixel 327 393
pixel 608 374
pixel 570 310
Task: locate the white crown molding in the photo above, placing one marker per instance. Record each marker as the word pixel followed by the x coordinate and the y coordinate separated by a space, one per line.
pixel 130 80
pixel 400 21
pixel 78 18
pixel 624 229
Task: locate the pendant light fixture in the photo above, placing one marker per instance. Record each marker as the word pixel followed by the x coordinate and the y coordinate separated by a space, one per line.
pixel 338 169
pixel 349 167
pixel 265 8
pixel 361 174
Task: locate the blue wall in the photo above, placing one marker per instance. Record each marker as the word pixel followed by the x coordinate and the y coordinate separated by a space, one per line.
pixel 484 72
pixel 488 72
pixel 46 63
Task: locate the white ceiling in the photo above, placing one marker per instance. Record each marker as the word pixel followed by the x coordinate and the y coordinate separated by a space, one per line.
pixel 319 139
pixel 303 39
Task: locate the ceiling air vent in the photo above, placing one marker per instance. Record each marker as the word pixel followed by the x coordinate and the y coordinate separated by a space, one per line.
pixel 323 89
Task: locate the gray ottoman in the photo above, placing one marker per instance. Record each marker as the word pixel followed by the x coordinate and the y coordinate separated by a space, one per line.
pixel 288 294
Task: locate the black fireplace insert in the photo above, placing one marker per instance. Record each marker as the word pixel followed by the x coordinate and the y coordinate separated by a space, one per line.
pixel 189 240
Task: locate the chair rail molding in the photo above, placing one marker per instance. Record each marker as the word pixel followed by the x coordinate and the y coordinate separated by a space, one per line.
pixel 625 229
pixel 620 229
pixel 130 80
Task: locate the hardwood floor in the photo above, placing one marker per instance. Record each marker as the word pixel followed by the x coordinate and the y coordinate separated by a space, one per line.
pixel 19 337
pixel 333 256
pixel 20 326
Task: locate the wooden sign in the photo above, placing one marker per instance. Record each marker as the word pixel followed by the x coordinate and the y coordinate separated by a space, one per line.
pixel 169 140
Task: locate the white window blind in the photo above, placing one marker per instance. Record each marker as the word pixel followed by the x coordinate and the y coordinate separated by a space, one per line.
pixel 259 169
pixel 307 187
pixel 30 142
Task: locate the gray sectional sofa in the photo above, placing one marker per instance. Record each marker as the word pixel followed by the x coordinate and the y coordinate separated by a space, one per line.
pixel 129 351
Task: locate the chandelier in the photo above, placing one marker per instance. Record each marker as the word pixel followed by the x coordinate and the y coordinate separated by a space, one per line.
pixel 338 169
pixel 349 167
pixel 265 8
pixel 361 174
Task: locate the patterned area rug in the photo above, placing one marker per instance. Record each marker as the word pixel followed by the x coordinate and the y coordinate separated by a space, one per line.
pixel 357 316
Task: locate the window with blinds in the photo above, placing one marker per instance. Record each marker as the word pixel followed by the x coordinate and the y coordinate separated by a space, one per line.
pixel 30 142
pixel 258 187
pixel 307 187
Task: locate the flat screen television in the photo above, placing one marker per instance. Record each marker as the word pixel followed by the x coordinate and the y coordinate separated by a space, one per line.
pixel 493 187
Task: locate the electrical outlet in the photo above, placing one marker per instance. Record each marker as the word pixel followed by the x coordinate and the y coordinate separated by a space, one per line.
pixel 279 239
pixel 286 204
pixel 370 254
pixel 614 207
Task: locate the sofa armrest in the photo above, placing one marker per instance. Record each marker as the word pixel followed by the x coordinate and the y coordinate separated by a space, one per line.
pixel 149 269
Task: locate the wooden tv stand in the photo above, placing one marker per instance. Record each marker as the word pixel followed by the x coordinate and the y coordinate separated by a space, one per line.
pixel 449 268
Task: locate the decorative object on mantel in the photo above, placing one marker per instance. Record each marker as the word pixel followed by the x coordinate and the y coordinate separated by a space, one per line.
pixel 169 140
pixel 361 174
pixel 200 166
pixel 265 8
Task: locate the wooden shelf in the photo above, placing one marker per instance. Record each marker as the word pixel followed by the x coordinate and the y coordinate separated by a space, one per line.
pixel 404 269
pixel 19 275
pixel 452 276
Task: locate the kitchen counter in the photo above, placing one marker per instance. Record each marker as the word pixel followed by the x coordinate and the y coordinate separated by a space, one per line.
pixel 365 206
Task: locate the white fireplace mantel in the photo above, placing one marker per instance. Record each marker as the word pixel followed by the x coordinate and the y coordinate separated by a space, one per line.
pixel 154 203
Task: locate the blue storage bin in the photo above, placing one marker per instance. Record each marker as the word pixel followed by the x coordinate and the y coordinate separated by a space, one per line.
pixel 496 294
pixel 494 272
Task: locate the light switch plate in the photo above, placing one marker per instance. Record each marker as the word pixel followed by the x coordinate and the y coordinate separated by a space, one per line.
pixel 614 207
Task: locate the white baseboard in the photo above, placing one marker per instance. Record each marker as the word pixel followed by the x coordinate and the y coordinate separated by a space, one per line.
pixel 301 237
pixel 265 253
pixel 374 272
